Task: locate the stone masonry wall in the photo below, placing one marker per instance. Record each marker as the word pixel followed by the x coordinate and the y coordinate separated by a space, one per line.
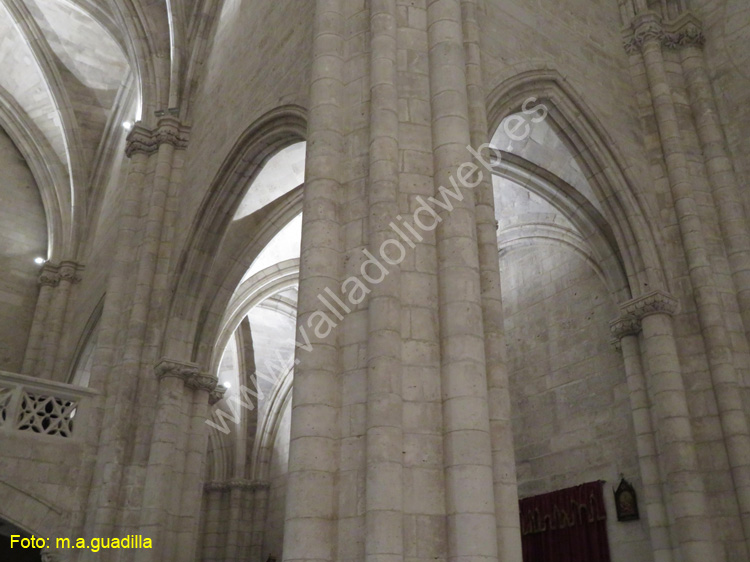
pixel 23 237
pixel 259 60
pixel 572 422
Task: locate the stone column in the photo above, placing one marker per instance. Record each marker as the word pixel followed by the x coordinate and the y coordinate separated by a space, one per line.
pixel 648 36
pixel 234 527
pixel 734 228
pixel 49 278
pixel 310 525
pixel 470 502
pixel 109 459
pixel 205 393
pixel 503 454
pixel 167 517
pixel 384 430
pixel 127 322
pixel 689 41
pixel 685 488
pixel 54 322
pixel 211 546
pixel 260 509
pixel 626 330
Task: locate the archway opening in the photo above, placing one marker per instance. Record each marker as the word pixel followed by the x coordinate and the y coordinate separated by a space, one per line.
pixel 561 277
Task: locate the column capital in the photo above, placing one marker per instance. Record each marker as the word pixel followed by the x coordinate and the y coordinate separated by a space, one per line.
pixel 624 326
pixel 50 275
pixel 69 272
pixel 645 27
pixel 655 302
pixel 216 394
pixel 168 130
pixel 190 373
pixel 685 31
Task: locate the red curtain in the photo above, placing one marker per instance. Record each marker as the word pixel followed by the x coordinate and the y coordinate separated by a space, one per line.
pixel 565 526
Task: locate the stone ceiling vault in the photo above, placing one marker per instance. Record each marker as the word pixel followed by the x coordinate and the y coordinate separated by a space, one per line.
pixel 63 75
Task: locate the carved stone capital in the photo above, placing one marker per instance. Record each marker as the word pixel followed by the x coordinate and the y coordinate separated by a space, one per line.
pixel 49 276
pixel 656 302
pixel 202 381
pixel 169 130
pixel 216 394
pixel 646 27
pixel 685 31
pixel 190 373
pixel 69 272
pixel 139 140
pixel 624 326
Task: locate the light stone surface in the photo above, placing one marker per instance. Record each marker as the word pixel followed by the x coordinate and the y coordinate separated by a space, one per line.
pixel 23 238
pixel 479 370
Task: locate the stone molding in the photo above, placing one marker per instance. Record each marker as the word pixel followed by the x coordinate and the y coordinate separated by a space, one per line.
pixel 169 130
pixel 236 484
pixel 216 394
pixel 646 27
pixel 634 311
pixel 686 31
pixel 625 326
pixel 50 275
pixel 190 373
pixel 69 272
pixel 655 302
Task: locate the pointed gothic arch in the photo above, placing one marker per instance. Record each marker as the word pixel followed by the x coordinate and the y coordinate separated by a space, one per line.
pixel 604 168
pixel 219 250
pixel 50 175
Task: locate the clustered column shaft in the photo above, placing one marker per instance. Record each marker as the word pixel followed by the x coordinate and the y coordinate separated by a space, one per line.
pixel 44 357
pixel 313 449
pixel 626 330
pixel 49 278
pixel 121 502
pixel 686 491
pixel 503 455
pixel 472 530
pixel 384 430
pixel 649 34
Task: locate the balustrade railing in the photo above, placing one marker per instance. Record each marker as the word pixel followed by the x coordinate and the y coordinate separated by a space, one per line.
pixel 40 406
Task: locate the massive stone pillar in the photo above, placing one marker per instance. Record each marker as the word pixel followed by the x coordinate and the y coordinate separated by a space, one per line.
pixel 503 457
pixel 648 37
pixel 400 434
pixel 688 39
pixel 686 494
pixel 470 502
pixel 146 473
pixel 626 330
pixel 310 529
